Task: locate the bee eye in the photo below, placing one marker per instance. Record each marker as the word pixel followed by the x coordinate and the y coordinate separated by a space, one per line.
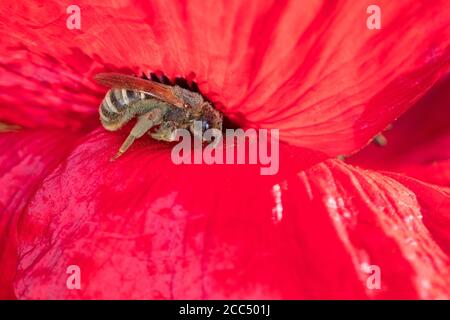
pixel 205 125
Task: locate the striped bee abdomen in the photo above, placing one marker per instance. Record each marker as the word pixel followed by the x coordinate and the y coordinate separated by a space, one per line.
pixel 115 108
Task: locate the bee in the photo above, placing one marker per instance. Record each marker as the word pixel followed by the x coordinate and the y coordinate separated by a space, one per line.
pixel 162 108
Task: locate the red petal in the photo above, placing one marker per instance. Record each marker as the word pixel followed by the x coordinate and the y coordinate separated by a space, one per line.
pixel 41 91
pixel 418 143
pixel 435 204
pixel 143 227
pixel 310 68
pixel 25 160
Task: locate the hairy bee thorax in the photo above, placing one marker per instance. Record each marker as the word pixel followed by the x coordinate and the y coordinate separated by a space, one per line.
pixel 192 99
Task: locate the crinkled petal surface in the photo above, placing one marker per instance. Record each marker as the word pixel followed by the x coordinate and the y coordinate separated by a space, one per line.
pixel 26 159
pixel 156 230
pixel 435 204
pixel 310 68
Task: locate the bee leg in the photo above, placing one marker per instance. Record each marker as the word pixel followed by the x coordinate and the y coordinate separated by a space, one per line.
pixel 143 124
pixel 167 132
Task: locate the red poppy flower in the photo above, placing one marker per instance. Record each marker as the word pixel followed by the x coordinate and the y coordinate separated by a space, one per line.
pixel 143 227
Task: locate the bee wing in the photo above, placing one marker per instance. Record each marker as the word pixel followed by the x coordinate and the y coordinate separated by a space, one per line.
pixel 158 90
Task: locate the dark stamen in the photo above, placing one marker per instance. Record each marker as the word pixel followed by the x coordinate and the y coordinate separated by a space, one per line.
pixel 182 82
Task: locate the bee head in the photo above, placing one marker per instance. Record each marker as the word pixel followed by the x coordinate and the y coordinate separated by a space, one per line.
pixel 210 118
